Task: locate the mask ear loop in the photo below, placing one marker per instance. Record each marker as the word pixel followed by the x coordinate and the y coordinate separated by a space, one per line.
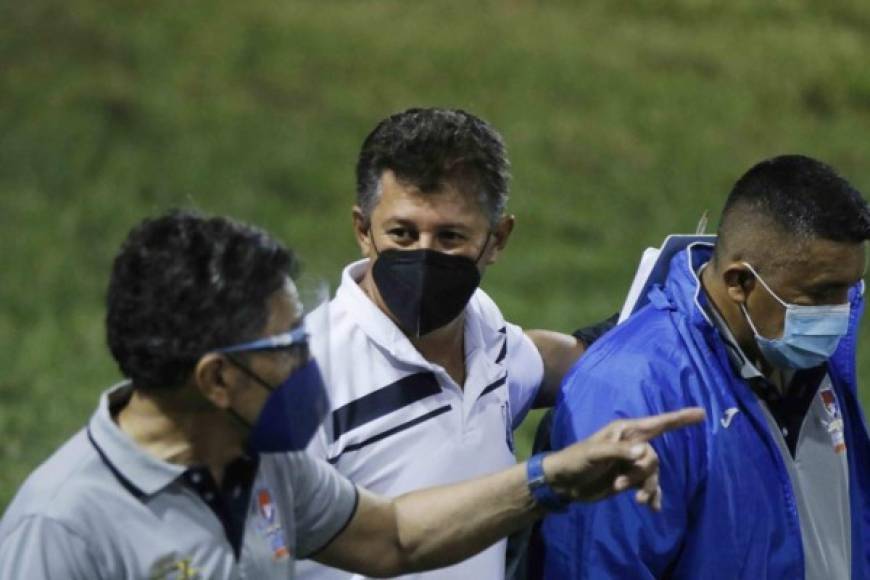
pixel 483 249
pixel 766 287
pixel 769 291
pixel 251 374
pixel 749 320
pixel 372 239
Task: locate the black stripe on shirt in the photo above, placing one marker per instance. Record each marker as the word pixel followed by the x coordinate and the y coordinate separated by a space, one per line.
pixel 493 386
pixel 385 400
pixel 503 352
pixel 393 431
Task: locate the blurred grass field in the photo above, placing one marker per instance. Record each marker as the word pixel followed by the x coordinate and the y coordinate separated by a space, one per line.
pixel 625 120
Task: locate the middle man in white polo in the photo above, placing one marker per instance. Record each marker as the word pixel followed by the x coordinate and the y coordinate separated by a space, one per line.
pixel 428 380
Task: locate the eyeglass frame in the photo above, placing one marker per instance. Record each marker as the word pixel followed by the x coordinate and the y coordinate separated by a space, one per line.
pixel 295 337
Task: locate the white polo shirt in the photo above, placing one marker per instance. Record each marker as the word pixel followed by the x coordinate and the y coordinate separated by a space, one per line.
pixel 400 423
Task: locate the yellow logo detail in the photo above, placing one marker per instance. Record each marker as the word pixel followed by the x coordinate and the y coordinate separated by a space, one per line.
pixel 167 569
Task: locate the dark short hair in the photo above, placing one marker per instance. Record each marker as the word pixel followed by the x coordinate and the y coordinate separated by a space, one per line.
pixel 184 284
pixel 426 147
pixel 803 196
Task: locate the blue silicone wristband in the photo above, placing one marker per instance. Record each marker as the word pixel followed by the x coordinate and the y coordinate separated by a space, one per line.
pixel 541 491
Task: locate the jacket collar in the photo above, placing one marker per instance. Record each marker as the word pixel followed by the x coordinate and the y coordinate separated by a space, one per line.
pixel 682 290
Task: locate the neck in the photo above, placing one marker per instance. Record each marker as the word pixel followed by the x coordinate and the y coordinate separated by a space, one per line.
pixel 182 428
pixel 445 342
pixel 734 318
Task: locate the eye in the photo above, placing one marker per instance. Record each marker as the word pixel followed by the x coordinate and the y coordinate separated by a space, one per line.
pixel 400 234
pixel 831 294
pixel 452 236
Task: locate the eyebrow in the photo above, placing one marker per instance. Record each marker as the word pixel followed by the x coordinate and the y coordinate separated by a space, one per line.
pixel 449 225
pixel 830 286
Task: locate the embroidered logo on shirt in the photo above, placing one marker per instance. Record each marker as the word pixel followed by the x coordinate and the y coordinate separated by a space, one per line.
pixel 729 416
pixel 269 525
pixel 169 569
pixel 835 423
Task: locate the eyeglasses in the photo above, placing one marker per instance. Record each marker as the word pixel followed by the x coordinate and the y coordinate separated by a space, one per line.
pixel 298 337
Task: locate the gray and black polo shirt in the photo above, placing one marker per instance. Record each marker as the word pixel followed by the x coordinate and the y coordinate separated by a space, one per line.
pixel 100 507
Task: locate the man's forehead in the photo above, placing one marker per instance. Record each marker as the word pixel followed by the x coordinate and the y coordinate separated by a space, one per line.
pixel 454 201
pixel 819 262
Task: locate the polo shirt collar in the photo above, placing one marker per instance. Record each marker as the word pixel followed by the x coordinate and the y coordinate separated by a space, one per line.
pixel 139 472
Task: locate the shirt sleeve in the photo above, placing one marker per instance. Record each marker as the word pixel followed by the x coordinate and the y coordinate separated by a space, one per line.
pixel 325 502
pixel 525 369
pixel 617 538
pixel 39 547
pixel 319 447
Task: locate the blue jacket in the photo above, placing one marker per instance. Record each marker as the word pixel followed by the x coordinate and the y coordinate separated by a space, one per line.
pixel 729 509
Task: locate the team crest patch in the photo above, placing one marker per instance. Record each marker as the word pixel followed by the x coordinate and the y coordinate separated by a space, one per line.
pixel 834 424
pixel 269 525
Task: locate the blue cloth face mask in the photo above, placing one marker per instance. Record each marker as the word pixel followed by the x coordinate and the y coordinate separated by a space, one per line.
pixel 810 334
pixel 295 408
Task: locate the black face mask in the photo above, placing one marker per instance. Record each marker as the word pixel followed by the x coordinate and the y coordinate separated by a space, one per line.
pixel 425 289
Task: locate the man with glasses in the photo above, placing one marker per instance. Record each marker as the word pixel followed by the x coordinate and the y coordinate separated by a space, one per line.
pixel 192 467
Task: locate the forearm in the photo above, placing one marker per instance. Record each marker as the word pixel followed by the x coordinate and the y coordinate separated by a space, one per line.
pixel 439 526
pixel 431 528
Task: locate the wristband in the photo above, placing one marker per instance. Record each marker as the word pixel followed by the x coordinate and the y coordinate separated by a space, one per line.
pixel 541 491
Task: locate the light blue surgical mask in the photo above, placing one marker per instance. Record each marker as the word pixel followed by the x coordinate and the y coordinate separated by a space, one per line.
pixel 810 334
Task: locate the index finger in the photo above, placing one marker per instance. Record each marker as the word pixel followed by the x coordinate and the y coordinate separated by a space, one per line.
pixel 651 427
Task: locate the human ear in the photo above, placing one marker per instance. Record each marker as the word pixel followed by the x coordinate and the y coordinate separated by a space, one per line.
pixel 739 282
pixel 500 234
pixel 211 379
pixel 362 232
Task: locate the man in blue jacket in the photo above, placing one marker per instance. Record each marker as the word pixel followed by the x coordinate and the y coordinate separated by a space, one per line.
pixel 760 330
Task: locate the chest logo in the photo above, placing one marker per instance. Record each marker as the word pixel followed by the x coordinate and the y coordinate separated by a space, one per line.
pixel 834 424
pixel 269 525
pixel 169 569
pixel 725 421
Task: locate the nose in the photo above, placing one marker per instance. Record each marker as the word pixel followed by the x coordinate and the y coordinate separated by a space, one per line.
pixel 426 241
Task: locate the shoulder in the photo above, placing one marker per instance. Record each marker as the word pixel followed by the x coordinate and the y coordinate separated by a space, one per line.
pixel 483 307
pixel 301 469
pixel 639 368
pixel 647 343
pixel 68 489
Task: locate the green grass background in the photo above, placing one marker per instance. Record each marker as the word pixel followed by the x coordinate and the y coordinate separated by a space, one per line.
pixel 625 120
